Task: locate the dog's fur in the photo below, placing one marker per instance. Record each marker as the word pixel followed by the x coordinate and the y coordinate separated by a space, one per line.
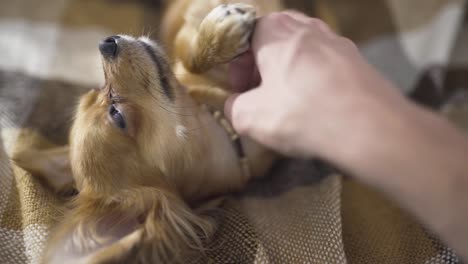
pixel 137 182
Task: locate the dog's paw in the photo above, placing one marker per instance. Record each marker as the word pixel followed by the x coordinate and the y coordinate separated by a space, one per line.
pixel 228 28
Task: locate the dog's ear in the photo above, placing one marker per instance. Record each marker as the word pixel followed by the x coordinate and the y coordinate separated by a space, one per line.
pixel 51 165
pixel 94 232
pixel 138 225
pixel 174 232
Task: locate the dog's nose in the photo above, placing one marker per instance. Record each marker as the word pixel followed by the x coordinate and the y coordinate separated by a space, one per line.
pixel 109 47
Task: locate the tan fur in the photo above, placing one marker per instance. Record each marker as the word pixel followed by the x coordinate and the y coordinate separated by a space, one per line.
pixel 136 185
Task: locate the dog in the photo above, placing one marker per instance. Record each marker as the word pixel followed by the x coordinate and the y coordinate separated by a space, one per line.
pixel 151 145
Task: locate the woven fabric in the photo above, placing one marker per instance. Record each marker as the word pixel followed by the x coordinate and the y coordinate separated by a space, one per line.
pixel 49 56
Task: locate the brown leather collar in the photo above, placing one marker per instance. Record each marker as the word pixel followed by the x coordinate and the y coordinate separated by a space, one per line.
pixel 235 140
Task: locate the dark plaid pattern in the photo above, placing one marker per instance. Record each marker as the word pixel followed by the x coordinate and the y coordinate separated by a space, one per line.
pixel 49 56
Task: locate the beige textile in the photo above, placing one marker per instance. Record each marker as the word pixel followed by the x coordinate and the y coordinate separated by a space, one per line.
pixel 49 56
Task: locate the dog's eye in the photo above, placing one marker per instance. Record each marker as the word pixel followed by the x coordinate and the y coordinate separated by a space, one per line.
pixel 117 117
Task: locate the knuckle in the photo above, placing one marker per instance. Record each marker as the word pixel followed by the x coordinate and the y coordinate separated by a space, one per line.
pixel 347 42
pixel 278 18
pixel 316 21
pixel 319 24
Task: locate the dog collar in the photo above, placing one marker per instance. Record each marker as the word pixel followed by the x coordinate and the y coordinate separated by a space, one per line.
pixel 235 140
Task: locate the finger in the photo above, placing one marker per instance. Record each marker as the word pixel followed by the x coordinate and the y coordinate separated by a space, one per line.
pixel 273 30
pixel 269 33
pixel 297 15
pixel 250 115
pixel 243 73
pixel 276 21
pixel 242 109
pixel 318 23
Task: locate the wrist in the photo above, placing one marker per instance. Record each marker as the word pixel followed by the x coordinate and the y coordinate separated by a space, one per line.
pixel 396 158
pixel 378 137
pixel 422 168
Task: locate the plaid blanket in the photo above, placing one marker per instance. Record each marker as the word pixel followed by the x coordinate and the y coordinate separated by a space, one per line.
pixel 48 57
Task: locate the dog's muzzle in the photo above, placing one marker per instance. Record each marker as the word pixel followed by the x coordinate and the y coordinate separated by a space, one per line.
pixel 109 47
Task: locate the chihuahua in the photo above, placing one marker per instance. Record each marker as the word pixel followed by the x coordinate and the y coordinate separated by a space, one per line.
pixel 151 144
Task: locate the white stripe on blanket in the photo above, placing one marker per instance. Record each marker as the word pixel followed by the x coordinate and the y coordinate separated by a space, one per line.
pixel 12 245
pixel 46 50
pixel 6 178
pixel 34 241
pixel 403 57
pixel 22 247
pixel 431 43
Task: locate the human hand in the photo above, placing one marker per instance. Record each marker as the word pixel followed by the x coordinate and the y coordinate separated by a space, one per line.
pixel 314 95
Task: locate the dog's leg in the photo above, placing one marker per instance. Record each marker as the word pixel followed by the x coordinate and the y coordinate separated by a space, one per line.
pixel 212 96
pixel 222 35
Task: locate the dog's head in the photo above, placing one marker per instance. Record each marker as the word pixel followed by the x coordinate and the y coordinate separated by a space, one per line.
pixel 130 147
pixel 127 147
pixel 132 130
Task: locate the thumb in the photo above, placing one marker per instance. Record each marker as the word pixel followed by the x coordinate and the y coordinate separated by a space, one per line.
pixel 228 105
pixel 242 110
pixel 243 73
